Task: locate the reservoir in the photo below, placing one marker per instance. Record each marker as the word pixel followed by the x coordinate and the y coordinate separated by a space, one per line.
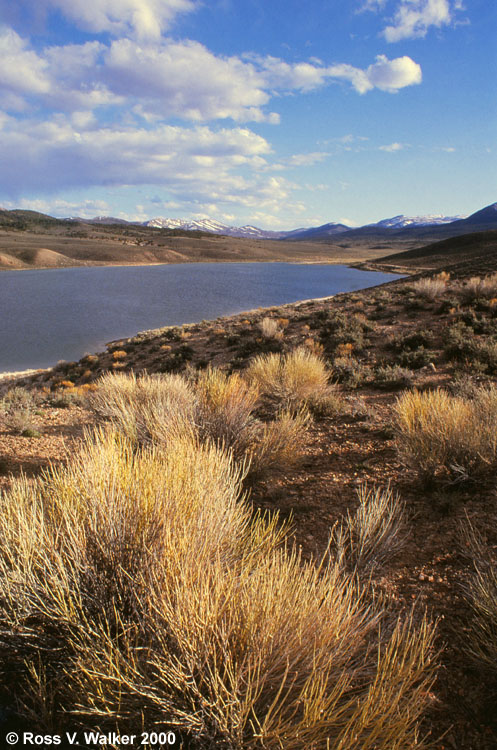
pixel 49 315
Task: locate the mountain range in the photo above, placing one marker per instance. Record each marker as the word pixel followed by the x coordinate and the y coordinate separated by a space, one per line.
pixel 400 227
pixel 399 223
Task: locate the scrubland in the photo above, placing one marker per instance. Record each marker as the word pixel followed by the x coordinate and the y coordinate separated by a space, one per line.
pixel 269 531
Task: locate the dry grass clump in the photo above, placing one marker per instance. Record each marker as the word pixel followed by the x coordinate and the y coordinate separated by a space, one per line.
pixel 137 584
pixel 291 381
pixel 276 443
pixel 432 288
pixel 366 539
pixel 439 434
pixel 151 408
pixel 270 328
pixel 224 410
pixel 482 595
pixel 479 288
pixel 214 407
pixel 18 407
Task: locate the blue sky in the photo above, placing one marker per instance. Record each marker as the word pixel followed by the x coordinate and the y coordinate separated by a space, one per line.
pixel 270 112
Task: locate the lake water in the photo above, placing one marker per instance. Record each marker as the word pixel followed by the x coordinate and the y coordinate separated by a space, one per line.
pixel 46 316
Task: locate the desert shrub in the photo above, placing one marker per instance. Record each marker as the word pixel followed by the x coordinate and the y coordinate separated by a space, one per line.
pixel 270 328
pixel 151 408
pixel 480 324
pixel 370 536
pixel 411 341
pixel 139 584
pixel 340 328
pixel 224 410
pixel 71 396
pixel 393 376
pixel 476 288
pixel 432 288
pixel 448 305
pixel 175 361
pixel 350 371
pixel 459 341
pixel 17 398
pixel 18 409
pixel 212 406
pixel 439 434
pixel 290 381
pixel 275 445
pixel 417 358
pixel 475 353
pixel 481 592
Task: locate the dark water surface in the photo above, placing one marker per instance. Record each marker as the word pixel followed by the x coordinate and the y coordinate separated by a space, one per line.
pixel 64 313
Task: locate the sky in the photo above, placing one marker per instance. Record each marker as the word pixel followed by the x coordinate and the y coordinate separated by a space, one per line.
pixel 275 113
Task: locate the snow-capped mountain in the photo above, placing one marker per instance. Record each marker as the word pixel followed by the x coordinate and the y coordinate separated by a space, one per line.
pixel 215 227
pixel 398 222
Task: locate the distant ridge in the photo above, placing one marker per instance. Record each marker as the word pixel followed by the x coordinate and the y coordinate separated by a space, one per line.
pixel 465 255
pixel 398 222
pixel 430 227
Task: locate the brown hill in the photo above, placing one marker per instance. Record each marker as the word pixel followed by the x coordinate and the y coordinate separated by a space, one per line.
pixel 462 256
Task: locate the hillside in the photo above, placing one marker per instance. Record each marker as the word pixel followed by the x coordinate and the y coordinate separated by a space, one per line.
pixel 34 242
pixel 29 239
pixel 468 254
pixel 377 343
pixel 480 221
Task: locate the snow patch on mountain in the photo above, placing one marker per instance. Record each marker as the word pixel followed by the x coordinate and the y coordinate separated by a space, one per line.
pixel 398 222
pixel 215 227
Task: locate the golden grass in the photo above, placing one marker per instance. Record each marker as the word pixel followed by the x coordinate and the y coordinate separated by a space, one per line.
pixel 482 597
pixel 452 435
pixel 291 381
pixel 225 410
pixel 137 587
pixel 432 288
pixel 477 288
pixel 372 534
pixel 151 408
pixel 270 328
pixel 212 406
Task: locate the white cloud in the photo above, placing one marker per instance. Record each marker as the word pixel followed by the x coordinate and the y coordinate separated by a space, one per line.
pixel 392 147
pixel 62 208
pixel 193 164
pixel 413 18
pixel 22 72
pixel 392 75
pixel 387 75
pixel 156 81
pixel 372 5
pixel 145 18
pixel 185 79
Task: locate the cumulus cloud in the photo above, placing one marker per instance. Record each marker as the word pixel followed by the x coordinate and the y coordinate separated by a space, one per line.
pixel 63 208
pixel 144 18
pixel 22 71
pixel 387 75
pixel 199 161
pixel 413 18
pixel 185 79
pixel 392 75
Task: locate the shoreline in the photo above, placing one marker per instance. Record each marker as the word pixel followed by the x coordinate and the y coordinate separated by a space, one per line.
pixel 19 374
pixel 99 264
